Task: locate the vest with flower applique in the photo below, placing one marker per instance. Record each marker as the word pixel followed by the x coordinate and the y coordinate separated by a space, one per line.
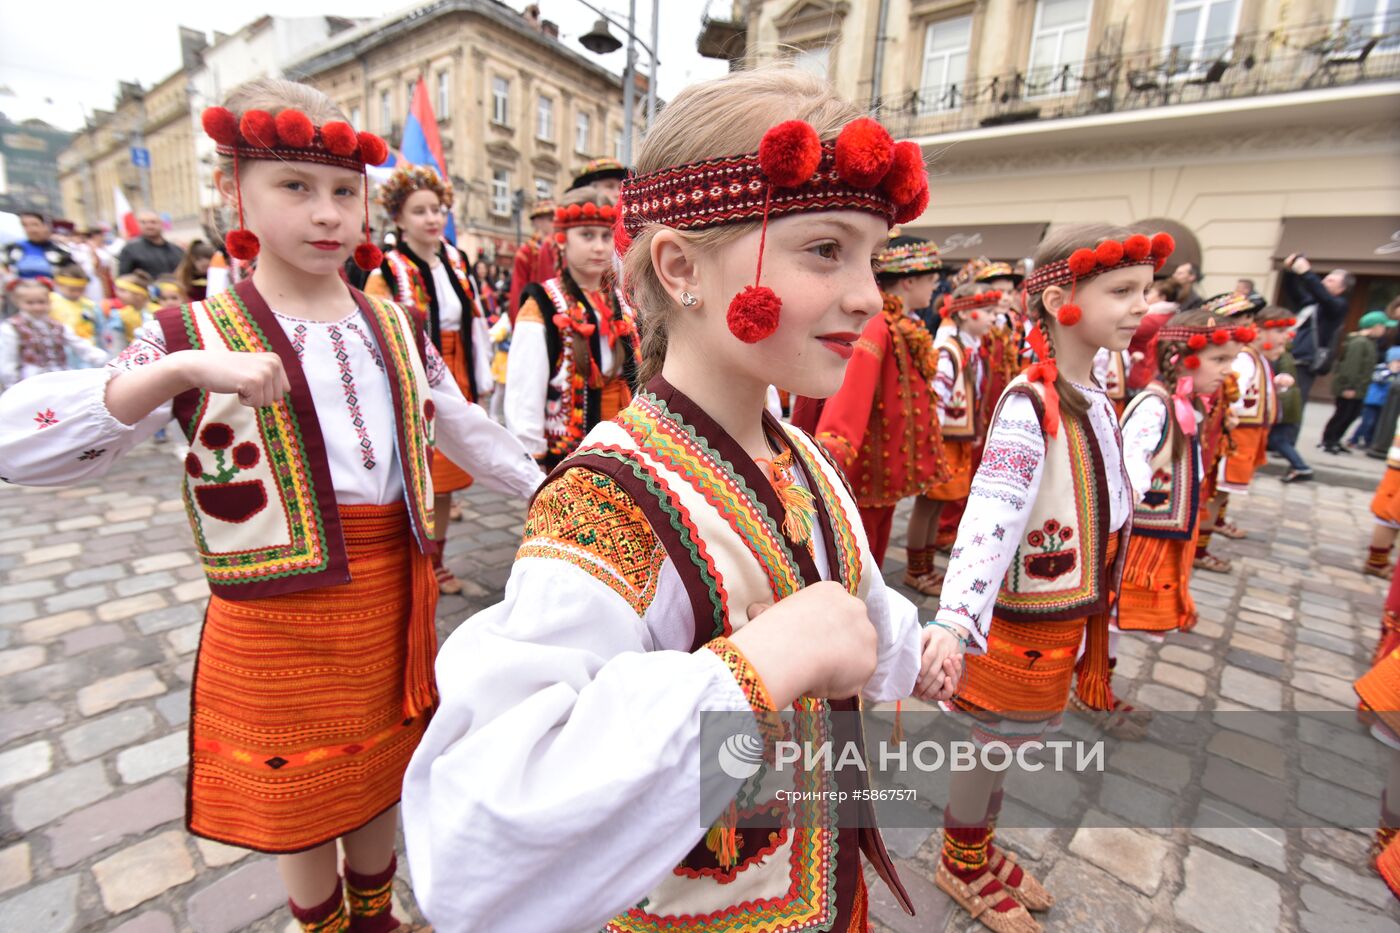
pixel 721 523
pixel 257 481
pixel 1058 570
pixel 1115 383
pixel 960 413
pixel 1259 399
pixel 1168 508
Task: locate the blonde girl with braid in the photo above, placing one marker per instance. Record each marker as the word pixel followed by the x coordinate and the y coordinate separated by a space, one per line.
pixel 1039 550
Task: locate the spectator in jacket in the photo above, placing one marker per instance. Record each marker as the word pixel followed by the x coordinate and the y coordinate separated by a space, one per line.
pixel 1186 275
pixel 1353 377
pixel 1381 378
pixel 1283 436
pixel 1321 304
pixel 151 252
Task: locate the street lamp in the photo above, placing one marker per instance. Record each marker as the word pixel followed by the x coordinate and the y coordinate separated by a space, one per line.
pixel 601 41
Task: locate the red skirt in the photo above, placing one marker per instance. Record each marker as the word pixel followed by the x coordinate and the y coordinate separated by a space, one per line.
pixel 308 706
pixel 1156 593
pixel 1250 453
pixel 958 455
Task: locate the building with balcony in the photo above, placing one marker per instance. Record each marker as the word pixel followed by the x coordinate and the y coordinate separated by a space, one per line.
pixel 517 109
pixel 1255 127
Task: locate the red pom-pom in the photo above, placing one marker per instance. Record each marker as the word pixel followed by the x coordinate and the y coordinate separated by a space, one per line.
pixel 1197 342
pixel 339 138
pixel 258 127
pixel 372 149
pixel 1082 262
pixel 1220 336
pixel 368 256
pixel 1069 315
pixel 864 152
pixel 1246 334
pixel 1266 345
pixel 561 237
pixel 1137 247
pixel 1163 245
pixel 242 244
pixel 590 210
pixel 294 129
pixel 789 153
pixel 608 212
pixel 573 211
pixel 753 314
pixel 907 175
pixel 1192 362
pixel 1109 253
pixel 220 125
pixel 911 211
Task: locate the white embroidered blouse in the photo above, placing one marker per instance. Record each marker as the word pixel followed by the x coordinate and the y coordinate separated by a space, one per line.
pixel 1142 430
pixel 999 505
pixel 55 428
pixel 943 380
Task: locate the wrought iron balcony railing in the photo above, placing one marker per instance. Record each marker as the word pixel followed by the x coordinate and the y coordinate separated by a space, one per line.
pixel 1250 65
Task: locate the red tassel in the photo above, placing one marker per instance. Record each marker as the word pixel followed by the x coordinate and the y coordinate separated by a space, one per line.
pixel 897 735
pixel 368 256
pixel 753 314
pixel 1069 314
pixel 242 244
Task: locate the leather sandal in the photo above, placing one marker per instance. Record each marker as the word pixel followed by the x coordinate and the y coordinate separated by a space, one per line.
pixel 969 896
pixel 447 582
pixel 1230 530
pixel 1212 563
pixel 1125 721
pixel 1028 892
pixel 930 584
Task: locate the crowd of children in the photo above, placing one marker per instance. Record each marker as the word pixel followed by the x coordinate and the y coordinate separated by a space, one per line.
pixel 1075 435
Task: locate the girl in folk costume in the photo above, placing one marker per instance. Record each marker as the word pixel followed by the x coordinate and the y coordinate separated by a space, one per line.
pixel 1161 443
pixel 967 314
pixel 528 254
pixel 70 305
pixel 880 426
pixel 1111 372
pixel 1040 551
pixel 1385 506
pixel 310 410
pixel 1218 443
pixel 428 276
pixel 693 554
pixel 33 342
pixel 1379 691
pixel 573 352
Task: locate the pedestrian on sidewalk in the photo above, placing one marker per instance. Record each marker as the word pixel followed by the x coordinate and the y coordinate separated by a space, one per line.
pixel 1283 436
pixel 1320 304
pixel 312 426
pixel 1382 377
pixel 1353 377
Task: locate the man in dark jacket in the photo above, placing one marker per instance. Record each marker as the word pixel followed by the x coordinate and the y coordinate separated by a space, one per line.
pixel 151 252
pixel 1353 378
pixel 1322 306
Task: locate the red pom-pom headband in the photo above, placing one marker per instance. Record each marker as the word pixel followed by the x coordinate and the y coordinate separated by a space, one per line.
pixel 584 215
pixel 953 305
pixel 1279 323
pixel 292 137
pixel 1084 263
pixel 792 172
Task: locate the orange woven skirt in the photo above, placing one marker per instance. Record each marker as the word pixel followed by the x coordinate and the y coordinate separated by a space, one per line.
pixel 958 455
pixel 613 397
pixel 1028 668
pixel 1385 505
pixel 448 476
pixel 1250 453
pixel 1379 689
pixel 1156 593
pixel 308 706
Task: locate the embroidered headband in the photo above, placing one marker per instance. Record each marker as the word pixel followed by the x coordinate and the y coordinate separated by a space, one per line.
pixel 793 172
pixel 290 136
pixel 968 303
pixel 996 270
pixel 72 281
pixel 406 181
pixel 1196 337
pixel 908 259
pixel 1086 263
pixel 1231 304
pixel 587 214
pixel 1281 322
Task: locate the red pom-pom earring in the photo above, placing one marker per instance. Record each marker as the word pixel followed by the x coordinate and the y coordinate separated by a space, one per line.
pixel 1192 362
pixel 1069 314
pixel 242 244
pixel 790 153
pixel 753 313
pixel 368 256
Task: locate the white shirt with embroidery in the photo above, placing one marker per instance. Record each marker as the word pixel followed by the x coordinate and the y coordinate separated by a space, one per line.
pixel 55 428
pixel 13 369
pixel 568 745
pixel 1142 432
pixel 1101 361
pixel 943 379
pixel 999 505
pixel 1246 370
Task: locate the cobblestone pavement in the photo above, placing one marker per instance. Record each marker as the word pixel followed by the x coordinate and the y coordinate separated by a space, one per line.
pixel 102 604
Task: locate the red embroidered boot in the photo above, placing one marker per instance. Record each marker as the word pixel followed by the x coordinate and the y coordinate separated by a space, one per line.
pixel 328 917
pixel 1019 883
pixel 920 574
pixel 963 874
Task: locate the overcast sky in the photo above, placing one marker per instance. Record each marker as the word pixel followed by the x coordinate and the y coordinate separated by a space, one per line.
pixel 53 70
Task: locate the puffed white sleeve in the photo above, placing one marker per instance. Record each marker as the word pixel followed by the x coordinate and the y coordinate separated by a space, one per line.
pixel 1142 434
pixel 482 351
pixel 998 507
pixel 527 381
pixel 943 382
pixel 563 747
pixel 1100 365
pixel 467 436
pixel 1244 368
pixel 9 355
pixel 899 640
pixel 55 428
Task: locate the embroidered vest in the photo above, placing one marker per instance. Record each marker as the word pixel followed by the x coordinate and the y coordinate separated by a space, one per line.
pixel 1259 399
pixel 40 342
pixel 1168 508
pixel 257 482
pixel 1058 570
pixel 960 414
pixel 1116 379
pixel 410 289
pixel 722 526
pixel 571 405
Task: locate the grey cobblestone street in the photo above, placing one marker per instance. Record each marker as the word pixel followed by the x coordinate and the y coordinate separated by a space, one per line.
pixel 102 607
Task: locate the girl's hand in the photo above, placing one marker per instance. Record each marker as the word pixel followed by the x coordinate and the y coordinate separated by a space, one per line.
pixel 258 379
pixel 1283 381
pixel 941 667
pixel 817 642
